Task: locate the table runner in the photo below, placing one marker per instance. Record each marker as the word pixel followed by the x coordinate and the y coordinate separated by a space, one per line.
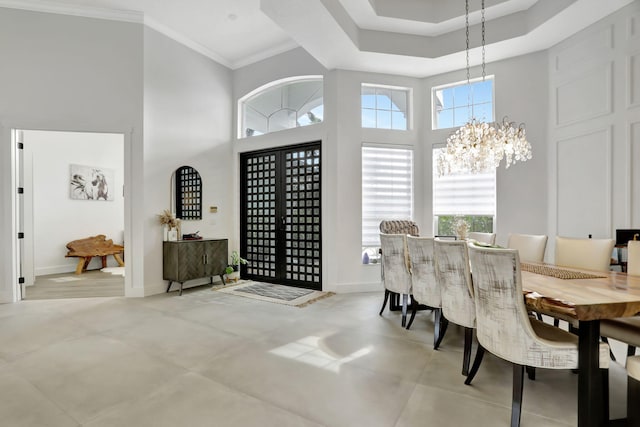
pixel 559 273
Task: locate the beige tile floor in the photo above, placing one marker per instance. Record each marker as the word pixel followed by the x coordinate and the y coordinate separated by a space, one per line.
pixel 213 359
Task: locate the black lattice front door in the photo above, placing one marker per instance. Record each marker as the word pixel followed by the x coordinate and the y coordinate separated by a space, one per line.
pixel 281 211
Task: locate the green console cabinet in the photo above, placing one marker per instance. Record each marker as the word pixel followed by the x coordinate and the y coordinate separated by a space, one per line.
pixel 185 260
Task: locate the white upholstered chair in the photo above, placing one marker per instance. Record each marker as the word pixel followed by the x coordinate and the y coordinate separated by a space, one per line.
pixel 589 254
pixel 504 328
pixel 530 247
pixel 489 238
pixel 626 329
pixel 456 290
pixel 633 257
pixel 396 278
pixel 424 282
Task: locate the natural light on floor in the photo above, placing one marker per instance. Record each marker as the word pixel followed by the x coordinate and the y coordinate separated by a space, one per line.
pixel 308 350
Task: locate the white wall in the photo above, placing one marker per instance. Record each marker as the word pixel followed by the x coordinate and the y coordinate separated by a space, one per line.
pixel 58 219
pixel 187 121
pixel 594 128
pixel 71 74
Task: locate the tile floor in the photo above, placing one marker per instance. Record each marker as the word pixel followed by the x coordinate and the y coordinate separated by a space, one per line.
pixel 213 359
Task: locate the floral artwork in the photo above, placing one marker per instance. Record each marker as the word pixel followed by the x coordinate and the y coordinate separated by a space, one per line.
pixel 91 183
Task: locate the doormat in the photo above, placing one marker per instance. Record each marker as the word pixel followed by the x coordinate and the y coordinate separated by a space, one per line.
pixel 279 294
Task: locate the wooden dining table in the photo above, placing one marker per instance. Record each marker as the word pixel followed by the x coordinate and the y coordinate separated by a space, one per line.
pixel 557 291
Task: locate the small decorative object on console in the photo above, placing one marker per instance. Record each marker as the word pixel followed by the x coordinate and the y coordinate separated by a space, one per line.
pixel 192 236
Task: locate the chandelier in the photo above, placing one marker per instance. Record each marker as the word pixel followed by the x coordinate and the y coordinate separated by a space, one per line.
pixel 479 146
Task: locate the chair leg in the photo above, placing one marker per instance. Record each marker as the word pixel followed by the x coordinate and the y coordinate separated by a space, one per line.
pixel 384 303
pixel 606 340
pixel 414 309
pixel 405 302
pixel 516 401
pixel 441 324
pixel 466 358
pixel 476 365
pixel 531 373
pixel 556 322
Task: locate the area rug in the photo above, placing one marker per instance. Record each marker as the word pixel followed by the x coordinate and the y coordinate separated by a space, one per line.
pixel 270 292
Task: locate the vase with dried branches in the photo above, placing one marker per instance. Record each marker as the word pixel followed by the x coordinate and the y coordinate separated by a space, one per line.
pixel 171 225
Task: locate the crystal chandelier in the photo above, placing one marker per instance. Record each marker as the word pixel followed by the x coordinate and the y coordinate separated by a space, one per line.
pixel 479 146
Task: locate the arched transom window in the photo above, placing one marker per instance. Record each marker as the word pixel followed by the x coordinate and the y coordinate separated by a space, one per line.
pixel 284 104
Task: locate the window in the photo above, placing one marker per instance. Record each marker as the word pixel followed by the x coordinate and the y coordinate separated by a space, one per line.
pixel 471 197
pixel 452 104
pixel 387 192
pixel 282 105
pixel 384 107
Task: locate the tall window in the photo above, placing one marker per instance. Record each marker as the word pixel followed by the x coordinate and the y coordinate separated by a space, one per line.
pixel 387 192
pixel 385 107
pixel 468 197
pixel 455 104
pixel 282 105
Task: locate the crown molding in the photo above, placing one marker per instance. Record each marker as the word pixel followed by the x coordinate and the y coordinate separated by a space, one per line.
pixel 74 10
pixel 180 38
pixel 113 15
pixel 268 53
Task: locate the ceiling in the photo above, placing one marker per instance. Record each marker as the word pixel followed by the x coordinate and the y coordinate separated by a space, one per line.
pixel 406 37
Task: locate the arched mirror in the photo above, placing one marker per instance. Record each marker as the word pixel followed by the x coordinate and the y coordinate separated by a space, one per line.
pixel 187 186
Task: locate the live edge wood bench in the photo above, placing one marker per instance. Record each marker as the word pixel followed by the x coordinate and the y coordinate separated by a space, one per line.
pixel 85 249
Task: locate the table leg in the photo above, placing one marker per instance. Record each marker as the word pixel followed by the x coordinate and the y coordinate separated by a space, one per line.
pixel 589 380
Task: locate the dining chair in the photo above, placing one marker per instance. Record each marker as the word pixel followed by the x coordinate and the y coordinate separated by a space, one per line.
pixel 397 278
pixel 504 328
pixel 396 226
pixel 626 329
pixel 424 283
pixel 530 247
pixel 633 391
pixel 489 238
pixel 589 254
pixel 456 290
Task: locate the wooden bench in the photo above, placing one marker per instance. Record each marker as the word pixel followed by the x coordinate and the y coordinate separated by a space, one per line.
pixel 87 248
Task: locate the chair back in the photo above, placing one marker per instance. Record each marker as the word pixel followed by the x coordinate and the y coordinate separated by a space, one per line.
pixel 394 262
pixel 454 276
pixel 399 227
pixel 424 283
pixel 530 247
pixel 590 254
pixel 489 238
pixel 633 257
pixel 502 323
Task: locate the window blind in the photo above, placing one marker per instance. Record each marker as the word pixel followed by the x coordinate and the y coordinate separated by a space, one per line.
pixel 387 189
pixel 463 194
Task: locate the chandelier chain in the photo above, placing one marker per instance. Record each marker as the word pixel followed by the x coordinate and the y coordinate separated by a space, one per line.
pixel 479 146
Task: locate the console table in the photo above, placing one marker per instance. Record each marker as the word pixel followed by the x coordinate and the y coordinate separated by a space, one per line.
pixel 185 260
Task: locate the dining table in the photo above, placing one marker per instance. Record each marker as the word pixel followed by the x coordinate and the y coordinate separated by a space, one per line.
pixel 583 297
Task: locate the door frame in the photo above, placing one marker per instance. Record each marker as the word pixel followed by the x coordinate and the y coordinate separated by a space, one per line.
pixel 9 286
pixel 280 182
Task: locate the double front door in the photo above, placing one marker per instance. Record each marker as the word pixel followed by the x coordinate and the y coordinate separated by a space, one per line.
pixel 280 215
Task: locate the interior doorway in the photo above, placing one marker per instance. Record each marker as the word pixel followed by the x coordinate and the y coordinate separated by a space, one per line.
pixel 280 227
pixel 71 188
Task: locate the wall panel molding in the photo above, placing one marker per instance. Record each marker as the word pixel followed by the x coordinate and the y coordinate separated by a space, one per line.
pixel 588 183
pixel 633 172
pixel 633 79
pixel 585 96
pixel 595 45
